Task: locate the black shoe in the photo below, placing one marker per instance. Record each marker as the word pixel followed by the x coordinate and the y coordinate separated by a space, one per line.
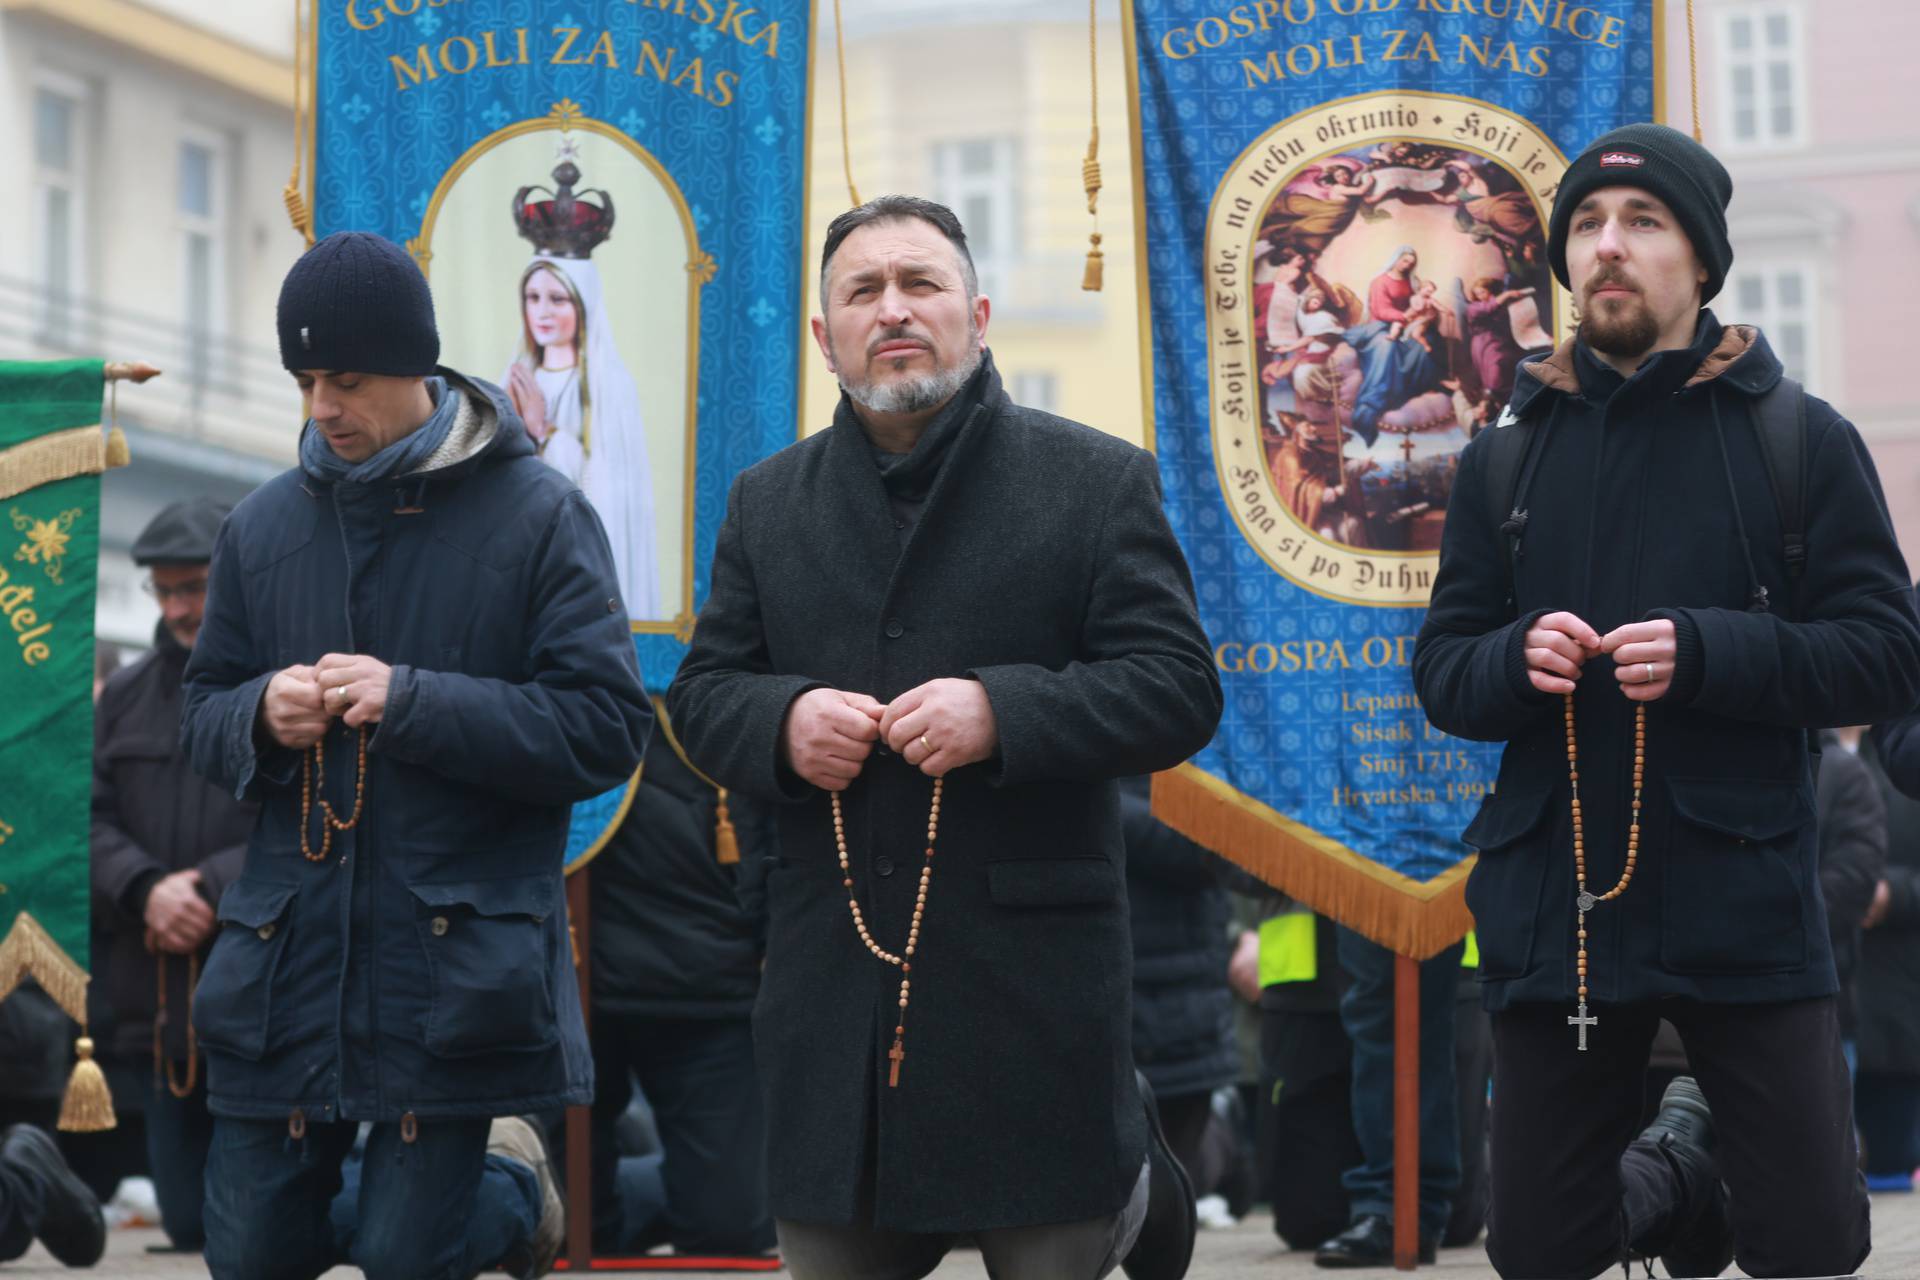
pixel 70 1224
pixel 1164 1248
pixel 1701 1243
pixel 1368 1242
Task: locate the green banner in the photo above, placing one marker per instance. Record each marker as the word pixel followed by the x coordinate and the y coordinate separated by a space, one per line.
pixel 51 453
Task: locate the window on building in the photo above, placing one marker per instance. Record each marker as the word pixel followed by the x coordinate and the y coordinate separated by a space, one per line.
pixel 202 212
pixel 976 178
pixel 1763 99
pixel 59 205
pixel 1037 390
pixel 1780 301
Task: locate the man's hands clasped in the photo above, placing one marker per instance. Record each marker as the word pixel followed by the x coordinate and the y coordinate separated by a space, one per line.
pixel 302 701
pixel 936 728
pixel 1559 645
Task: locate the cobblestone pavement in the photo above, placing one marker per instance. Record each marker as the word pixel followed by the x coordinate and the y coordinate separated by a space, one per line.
pixel 1247 1250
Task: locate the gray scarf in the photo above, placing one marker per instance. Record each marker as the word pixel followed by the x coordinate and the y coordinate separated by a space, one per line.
pixel 403 457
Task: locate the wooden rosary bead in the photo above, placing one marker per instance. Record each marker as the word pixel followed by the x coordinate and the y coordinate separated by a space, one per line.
pixel 313 778
pixel 1585 901
pixel 898 1053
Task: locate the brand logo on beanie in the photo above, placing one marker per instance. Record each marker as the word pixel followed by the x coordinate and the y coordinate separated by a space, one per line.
pixel 306 338
pixel 1620 160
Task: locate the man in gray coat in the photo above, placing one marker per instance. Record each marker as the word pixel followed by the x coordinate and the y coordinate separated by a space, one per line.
pixel 947 594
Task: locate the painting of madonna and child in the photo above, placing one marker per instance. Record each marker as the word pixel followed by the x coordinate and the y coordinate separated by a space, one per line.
pixel 1397 287
pixel 559 266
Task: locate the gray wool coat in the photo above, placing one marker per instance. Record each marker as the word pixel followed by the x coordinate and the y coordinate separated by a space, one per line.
pixel 1042 565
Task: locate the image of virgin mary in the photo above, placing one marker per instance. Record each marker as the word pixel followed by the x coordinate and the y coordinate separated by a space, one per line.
pixel 573 389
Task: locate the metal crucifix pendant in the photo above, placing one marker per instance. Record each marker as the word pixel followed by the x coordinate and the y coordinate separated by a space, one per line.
pixel 1583 1021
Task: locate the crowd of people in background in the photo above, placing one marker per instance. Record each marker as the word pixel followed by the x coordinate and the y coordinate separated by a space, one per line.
pixel 1244 1017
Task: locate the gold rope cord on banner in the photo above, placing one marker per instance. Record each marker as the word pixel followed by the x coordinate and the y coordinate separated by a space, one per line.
pixel 1693 72
pixel 1090 167
pixel 292 195
pixel 840 55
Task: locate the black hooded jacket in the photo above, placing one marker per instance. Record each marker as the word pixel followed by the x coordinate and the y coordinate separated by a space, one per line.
pixel 1651 498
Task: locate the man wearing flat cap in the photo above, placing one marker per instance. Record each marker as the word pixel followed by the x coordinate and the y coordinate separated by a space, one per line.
pixel 1662 571
pixel 166 844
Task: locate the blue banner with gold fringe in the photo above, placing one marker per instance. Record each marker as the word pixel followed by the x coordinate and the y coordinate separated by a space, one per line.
pixel 1342 208
pixel 608 198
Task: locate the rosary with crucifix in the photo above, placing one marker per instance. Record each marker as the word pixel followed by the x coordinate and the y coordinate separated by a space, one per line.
pixel 1586 901
pixel 903 961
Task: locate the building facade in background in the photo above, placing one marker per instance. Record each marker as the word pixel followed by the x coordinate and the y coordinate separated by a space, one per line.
pixel 149 141
pixel 1825 217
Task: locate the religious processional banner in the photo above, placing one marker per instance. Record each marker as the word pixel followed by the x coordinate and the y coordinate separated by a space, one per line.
pixel 1342 208
pixel 608 198
pixel 52 450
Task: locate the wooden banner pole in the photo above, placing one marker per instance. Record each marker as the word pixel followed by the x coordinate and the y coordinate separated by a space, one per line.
pixel 1406 1113
pixel 579 1119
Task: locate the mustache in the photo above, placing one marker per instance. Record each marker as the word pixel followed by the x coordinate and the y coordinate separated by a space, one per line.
pixel 1607 277
pixel 899 334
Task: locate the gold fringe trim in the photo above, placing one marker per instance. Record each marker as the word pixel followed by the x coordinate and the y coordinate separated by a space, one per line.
pixel 1407 916
pixel 29 950
pixel 61 455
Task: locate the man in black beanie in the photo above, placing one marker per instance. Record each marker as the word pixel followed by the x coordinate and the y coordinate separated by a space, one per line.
pixel 415 659
pixel 1661 571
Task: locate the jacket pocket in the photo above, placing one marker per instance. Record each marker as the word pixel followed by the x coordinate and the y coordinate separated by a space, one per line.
pixel 491 947
pixel 1734 897
pixel 233 1005
pixel 1503 890
pixel 1052 882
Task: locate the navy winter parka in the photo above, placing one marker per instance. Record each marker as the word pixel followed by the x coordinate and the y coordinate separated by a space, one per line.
pixel 1632 515
pixel 424 965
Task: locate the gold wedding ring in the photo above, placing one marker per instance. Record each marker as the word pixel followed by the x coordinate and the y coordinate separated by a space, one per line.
pixel 1649 679
pixel 926 744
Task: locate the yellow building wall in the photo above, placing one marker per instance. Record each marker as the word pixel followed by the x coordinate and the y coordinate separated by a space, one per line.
pixel 1029 81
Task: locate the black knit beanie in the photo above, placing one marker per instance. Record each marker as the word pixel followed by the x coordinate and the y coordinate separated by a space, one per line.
pixel 356 303
pixel 1672 166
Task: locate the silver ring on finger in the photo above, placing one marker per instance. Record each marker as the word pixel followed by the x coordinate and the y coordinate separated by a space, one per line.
pixel 1649 679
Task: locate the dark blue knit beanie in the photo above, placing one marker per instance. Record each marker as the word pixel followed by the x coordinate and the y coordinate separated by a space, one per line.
pixel 356 303
pixel 1653 157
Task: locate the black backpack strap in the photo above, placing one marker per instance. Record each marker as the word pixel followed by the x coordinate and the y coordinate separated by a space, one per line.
pixel 1780 421
pixel 1509 454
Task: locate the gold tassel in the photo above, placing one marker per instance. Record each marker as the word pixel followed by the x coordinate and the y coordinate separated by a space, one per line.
pixel 88 1106
pixel 726 844
pixel 1096 267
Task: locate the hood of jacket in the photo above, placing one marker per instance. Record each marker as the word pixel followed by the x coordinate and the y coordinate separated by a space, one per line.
pixel 1735 356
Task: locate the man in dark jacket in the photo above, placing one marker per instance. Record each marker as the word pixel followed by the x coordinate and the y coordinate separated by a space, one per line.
pixel 1648 573
pixel 946 595
pixel 679 931
pixel 166 843
pixel 1183 1031
pixel 1853 856
pixel 415 657
pixel 1887 1093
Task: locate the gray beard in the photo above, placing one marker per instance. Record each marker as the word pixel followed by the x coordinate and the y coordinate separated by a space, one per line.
pixel 916 394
